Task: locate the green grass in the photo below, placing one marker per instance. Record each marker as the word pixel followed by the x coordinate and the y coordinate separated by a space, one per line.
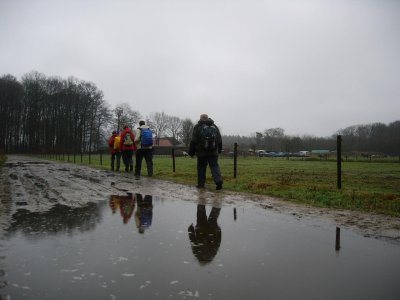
pixel 366 186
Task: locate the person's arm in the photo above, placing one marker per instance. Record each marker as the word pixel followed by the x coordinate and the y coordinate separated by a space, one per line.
pixel 192 145
pixel 137 136
pixel 219 141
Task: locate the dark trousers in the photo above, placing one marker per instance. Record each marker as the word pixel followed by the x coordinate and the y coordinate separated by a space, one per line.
pixel 127 158
pixel 147 154
pixel 113 157
pixel 202 163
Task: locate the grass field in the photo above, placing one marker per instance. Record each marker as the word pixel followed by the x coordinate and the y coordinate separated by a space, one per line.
pixel 365 186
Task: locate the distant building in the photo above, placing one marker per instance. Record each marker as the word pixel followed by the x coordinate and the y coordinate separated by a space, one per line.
pixel 164 146
pixel 167 142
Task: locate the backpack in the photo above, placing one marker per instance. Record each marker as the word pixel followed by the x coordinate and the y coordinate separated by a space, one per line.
pixel 128 139
pixel 146 137
pixel 117 143
pixel 208 140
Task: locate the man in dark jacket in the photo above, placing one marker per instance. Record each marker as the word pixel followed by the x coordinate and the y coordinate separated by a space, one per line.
pixel 206 144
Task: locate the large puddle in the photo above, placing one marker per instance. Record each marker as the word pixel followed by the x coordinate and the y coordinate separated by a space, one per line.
pixel 144 247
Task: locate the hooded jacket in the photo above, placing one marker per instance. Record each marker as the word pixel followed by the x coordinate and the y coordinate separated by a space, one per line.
pixel 123 134
pixel 111 144
pixel 196 146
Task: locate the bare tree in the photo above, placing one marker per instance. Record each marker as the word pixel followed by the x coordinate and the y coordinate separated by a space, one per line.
pixel 187 130
pixel 174 127
pixel 273 138
pixel 159 122
pixel 125 115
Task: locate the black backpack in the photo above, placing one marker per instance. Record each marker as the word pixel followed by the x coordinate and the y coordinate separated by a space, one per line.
pixel 208 140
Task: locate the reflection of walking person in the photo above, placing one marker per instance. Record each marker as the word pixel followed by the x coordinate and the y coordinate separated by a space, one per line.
pixel 144 212
pixel 206 143
pixel 205 237
pixel 126 205
pixel 144 144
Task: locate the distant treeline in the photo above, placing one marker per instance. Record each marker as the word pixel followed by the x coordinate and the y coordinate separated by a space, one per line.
pixel 42 114
pixel 368 139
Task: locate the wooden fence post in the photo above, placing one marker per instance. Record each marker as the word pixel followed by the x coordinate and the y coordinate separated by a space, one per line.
pixel 173 160
pixel 339 161
pixel 235 160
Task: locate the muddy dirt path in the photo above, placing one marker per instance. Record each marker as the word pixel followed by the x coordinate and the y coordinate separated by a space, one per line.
pixel 37 185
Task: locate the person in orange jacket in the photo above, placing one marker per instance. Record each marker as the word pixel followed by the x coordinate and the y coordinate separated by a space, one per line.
pixel 127 147
pixel 114 143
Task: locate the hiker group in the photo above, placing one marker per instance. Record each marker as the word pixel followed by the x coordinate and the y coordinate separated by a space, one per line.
pixel 206 144
pixel 129 142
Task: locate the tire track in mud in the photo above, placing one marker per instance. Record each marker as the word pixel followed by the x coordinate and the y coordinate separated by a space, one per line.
pixel 26 186
pixel 38 185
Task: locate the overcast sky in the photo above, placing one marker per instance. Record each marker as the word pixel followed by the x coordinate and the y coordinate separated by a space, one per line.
pixel 309 67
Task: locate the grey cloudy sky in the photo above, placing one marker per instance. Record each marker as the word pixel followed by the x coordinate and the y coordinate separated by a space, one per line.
pixel 308 66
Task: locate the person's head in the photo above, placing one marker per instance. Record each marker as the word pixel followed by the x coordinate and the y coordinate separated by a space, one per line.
pixel 114 132
pixel 126 126
pixel 203 117
pixel 142 123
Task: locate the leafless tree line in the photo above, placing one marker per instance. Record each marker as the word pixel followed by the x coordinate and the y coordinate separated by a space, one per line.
pixel 49 114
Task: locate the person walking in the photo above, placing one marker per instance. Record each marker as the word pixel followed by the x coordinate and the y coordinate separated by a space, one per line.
pixel 127 147
pixel 206 144
pixel 144 145
pixel 114 144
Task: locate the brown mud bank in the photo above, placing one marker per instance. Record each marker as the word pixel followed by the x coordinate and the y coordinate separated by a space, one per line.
pixel 37 185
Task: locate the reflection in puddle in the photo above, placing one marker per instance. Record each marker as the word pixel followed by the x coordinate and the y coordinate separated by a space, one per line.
pixel 58 219
pixel 159 248
pixel 126 206
pixel 337 241
pixel 144 212
pixel 205 237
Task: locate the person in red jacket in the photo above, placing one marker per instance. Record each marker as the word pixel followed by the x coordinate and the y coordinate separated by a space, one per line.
pixel 114 143
pixel 127 147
